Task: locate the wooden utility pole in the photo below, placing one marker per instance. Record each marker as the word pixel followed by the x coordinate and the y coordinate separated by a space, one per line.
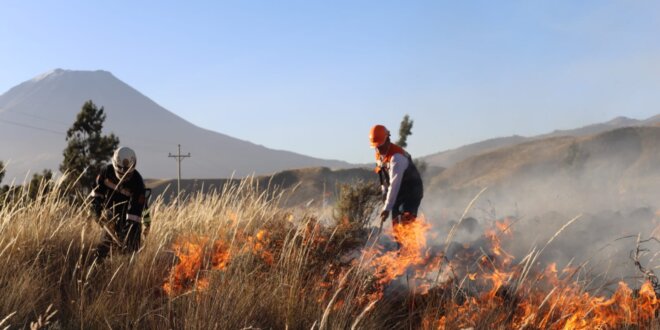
pixel 179 157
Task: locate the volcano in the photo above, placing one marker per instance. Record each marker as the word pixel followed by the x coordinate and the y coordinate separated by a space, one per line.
pixel 35 115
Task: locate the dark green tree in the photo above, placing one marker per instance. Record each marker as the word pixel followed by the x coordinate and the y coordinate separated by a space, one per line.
pixel 40 184
pixel 2 171
pixel 405 130
pixel 5 188
pixel 87 149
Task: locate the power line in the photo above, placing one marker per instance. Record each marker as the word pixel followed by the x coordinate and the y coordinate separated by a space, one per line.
pixel 31 115
pixel 31 127
pixel 179 157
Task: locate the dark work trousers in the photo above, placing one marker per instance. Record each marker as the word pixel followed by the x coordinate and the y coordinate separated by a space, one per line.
pixel 405 209
pixel 129 234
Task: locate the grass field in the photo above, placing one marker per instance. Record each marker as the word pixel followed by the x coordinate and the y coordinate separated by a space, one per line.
pixel 236 260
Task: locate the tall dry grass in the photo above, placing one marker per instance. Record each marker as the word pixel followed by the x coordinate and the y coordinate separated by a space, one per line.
pixel 47 266
pixel 286 269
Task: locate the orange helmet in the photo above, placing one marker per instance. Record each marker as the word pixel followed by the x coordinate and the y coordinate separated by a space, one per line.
pixel 378 135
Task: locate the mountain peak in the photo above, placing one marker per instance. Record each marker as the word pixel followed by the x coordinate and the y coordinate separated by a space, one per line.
pixel 621 121
pixel 59 73
pixel 37 113
pixel 48 74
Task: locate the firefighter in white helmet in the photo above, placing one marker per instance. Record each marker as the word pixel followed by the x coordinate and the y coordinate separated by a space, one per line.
pixel 118 200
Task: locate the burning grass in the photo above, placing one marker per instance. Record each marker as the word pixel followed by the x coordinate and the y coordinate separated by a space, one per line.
pixel 236 260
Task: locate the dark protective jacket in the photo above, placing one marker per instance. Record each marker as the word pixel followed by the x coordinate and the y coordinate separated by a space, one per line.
pixel 122 200
pixel 410 184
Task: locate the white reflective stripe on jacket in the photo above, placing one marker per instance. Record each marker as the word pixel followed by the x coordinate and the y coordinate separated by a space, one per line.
pixel 133 217
pixel 113 186
pixel 397 167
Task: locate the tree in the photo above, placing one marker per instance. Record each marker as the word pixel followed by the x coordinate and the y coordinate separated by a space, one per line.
pixel 87 149
pixel 40 184
pixel 2 171
pixel 5 188
pixel 405 130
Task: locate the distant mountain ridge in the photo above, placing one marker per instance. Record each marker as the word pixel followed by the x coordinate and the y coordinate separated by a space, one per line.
pixel 309 186
pixel 616 169
pixel 451 157
pixel 609 170
pixel 35 115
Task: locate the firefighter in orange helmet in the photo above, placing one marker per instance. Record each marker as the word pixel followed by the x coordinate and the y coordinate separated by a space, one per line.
pixel 400 181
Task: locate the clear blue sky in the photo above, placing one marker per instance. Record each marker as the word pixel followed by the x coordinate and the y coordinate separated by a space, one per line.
pixel 314 76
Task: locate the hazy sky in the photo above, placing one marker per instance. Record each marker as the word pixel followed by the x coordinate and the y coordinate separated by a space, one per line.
pixel 314 76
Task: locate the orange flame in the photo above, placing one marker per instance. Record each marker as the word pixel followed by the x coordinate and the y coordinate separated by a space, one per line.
pixel 259 246
pixel 411 259
pixel 187 274
pixel 546 302
pixel 494 289
pixel 393 264
pixel 195 258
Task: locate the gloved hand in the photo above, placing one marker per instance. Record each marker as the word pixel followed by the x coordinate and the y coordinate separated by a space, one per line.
pixel 146 223
pixel 384 215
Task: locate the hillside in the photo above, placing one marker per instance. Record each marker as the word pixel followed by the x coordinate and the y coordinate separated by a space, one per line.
pixel 35 115
pixel 451 157
pixel 614 170
pixel 608 171
pixel 310 186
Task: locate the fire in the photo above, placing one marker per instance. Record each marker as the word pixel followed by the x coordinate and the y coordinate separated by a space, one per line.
pixel 193 259
pixel 499 229
pixel 412 260
pixel 411 238
pixel 198 255
pixel 622 308
pixel 259 246
pixel 544 301
pixel 486 283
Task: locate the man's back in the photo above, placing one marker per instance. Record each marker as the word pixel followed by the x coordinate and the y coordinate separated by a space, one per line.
pixel 123 196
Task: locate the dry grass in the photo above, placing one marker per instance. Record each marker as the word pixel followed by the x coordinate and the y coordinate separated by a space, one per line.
pixel 295 276
pixel 46 266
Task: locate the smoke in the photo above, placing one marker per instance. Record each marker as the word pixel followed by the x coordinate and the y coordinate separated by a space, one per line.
pixel 609 180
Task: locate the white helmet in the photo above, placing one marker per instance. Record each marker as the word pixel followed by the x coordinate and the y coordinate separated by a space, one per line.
pixel 124 161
